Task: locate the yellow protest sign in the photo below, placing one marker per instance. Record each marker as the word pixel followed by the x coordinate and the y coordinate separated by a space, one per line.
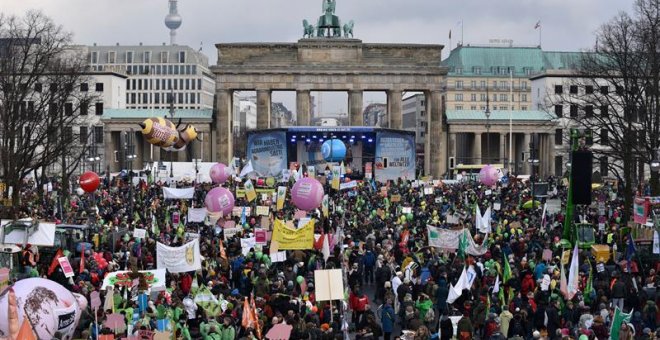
pixel 336 180
pixel 565 256
pixel 281 196
pixel 250 193
pixel 293 239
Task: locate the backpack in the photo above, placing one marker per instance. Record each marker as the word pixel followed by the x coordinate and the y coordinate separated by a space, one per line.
pixel 430 315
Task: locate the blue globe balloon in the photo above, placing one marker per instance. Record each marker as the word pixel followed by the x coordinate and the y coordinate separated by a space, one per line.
pixel 333 150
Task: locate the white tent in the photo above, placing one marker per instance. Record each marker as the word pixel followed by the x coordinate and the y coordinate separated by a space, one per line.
pixel 44 235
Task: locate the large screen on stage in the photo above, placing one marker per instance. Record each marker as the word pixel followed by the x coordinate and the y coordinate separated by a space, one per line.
pixel 395 156
pixel 267 152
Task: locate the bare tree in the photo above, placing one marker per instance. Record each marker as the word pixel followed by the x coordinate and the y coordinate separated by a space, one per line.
pixel 40 97
pixel 614 94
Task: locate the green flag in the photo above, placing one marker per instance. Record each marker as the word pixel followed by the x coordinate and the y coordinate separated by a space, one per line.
pixel 589 288
pixel 462 245
pixel 619 318
pixel 506 271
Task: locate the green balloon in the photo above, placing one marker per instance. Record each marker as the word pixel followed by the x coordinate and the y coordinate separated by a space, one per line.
pixel 258 255
pixel 409 217
pixel 300 279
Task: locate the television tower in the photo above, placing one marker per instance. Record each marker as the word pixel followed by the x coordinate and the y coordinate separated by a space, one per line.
pixel 173 21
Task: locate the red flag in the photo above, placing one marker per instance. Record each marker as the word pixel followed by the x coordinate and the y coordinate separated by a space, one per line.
pixel 255 318
pixel 246 322
pixel 318 244
pixel 54 263
pixel 82 260
pixel 26 332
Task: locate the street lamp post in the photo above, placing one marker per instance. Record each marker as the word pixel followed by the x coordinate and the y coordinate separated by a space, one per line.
pixel 487 135
pixel 171 153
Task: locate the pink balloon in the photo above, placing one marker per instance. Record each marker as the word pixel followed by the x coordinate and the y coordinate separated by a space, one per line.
pixel 219 173
pixel 488 175
pixel 307 194
pixel 219 200
pixel 49 306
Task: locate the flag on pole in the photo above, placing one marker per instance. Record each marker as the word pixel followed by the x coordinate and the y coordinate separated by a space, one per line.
pixel 573 274
pixel 506 271
pixel 563 286
pixel 325 249
pixel 618 319
pixel 82 260
pixel 243 218
pixel 462 245
pixel 496 287
pixel 538 25
pixel 589 288
pixel 54 263
pixel 247 169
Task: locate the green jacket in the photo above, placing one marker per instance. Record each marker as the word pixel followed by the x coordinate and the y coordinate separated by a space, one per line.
pixel 423 307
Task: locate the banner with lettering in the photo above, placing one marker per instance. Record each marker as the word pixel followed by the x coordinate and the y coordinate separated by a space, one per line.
pixel 293 239
pixel 449 239
pixel 179 259
pixel 641 211
pixel 281 196
pixel 267 152
pixel 395 156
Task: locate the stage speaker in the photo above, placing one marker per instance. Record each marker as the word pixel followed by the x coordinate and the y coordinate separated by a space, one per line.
pixel 582 163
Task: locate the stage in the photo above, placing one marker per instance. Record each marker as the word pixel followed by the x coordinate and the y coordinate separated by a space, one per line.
pixel 383 154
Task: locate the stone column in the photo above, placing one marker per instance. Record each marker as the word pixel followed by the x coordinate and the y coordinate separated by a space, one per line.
pixel 394 99
pixel 551 154
pixel 263 109
pixel 108 149
pixel 525 147
pixel 436 149
pixel 476 148
pixel 303 108
pixel 223 126
pixel 503 149
pixel 355 108
pixel 453 151
pixel 427 136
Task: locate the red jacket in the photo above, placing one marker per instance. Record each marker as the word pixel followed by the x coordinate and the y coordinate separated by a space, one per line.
pixel 527 284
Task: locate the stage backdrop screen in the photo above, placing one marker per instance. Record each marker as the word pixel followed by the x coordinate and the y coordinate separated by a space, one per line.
pixel 395 156
pixel 267 152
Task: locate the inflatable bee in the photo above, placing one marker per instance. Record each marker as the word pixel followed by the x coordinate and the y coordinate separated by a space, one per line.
pixel 163 133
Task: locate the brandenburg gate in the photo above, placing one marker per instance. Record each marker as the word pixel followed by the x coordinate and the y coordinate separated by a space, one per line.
pixel 332 63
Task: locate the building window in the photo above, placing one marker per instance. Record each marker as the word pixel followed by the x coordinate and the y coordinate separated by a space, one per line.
pixel 588 111
pixel 603 111
pixel 559 165
pixel 52 109
pixel 112 57
pixel 604 166
pixel 99 87
pixel 52 87
pixel 473 97
pixel 559 89
pixel 139 84
pixel 182 57
pixel 477 70
pixel 482 84
pixel 503 97
pixel 459 97
pixel 523 97
pixel 573 89
pixel 523 85
pixel 129 57
pixel 473 107
pixel 559 111
pixel 589 137
pixel 459 107
pixel 473 84
pixel 559 136
pixel 147 57
pixel 604 89
pixel 504 85
pixel 68 109
pixel 604 137
pixel 163 57
pixel 619 90
pixel 145 98
pixel 482 97
pixel 84 108
pixel 157 98
pixel 574 111
pixel 503 108
pixel 494 84
pixel 95 57
pixel 98 134
pixel 523 108
pixel 84 87
pixel 495 97
pixel 67 134
pixel 38 87
pixel 83 135
pixel 99 108
pixel 133 100
pixel 589 89
pixel 459 70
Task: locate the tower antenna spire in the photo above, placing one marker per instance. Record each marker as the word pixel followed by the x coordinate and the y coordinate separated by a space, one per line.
pixel 173 20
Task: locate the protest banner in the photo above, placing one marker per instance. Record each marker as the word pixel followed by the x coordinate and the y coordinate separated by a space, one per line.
pixel 230 232
pixel 263 210
pixel 349 185
pixel 336 180
pixel 449 239
pixel 250 193
pixel 260 236
pixel 329 285
pixel 66 267
pixel 293 239
pixel 154 278
pixel 140 233
pixel 178 194
pixel 196 215
pixel 185 258
pixel 281 196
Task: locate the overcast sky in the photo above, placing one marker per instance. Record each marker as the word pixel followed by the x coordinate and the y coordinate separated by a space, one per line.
pixel 567 25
